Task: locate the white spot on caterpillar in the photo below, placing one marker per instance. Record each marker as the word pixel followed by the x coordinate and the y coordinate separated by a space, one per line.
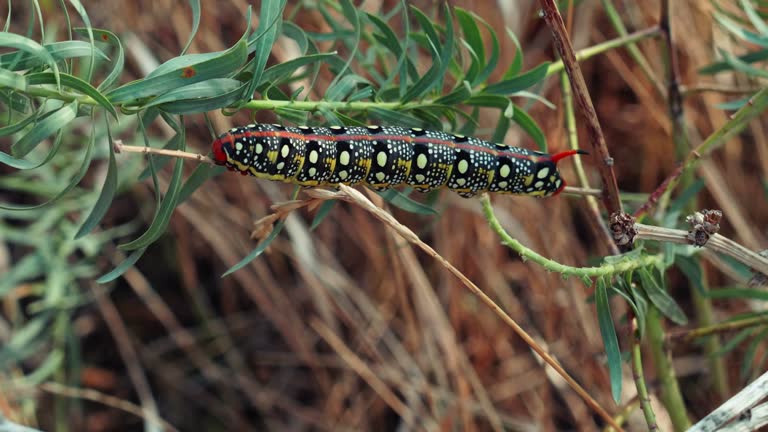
pixel 343 175
pixel 381 159
pixel 312 171
pixel 503 184
pixel 463 166
pixel 421 161
pixel 285 151
pixel 313 156
pixel 543 173
pixel 259 148
pixel 461 181
pixel 344 158
pixel 420 177
pixel 558 183
pixel 380 176
pixel 238 146
pixel 505 170
pixel 280 165
pixel 539 184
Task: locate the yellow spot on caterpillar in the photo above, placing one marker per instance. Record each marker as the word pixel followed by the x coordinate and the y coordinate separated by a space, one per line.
pixel 527 180
pixel 313 155
pixel 505 170
pixel 259 148
pixel 344 158
pixel 343 175
pixel 544 172
pixel 272 156
pixel 381 159
pixel 421 161
pixel 463 166
pixel 285 151
pixel 420 177
pixel 312 171
pixel 380 176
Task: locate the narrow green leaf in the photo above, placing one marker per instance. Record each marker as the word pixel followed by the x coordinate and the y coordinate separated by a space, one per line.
pixel 610 341
pixel 742 66
pixel 73 83
pixel 738 293
pixel 391 117
pixel 105 197
pixel 343 87
pixel 87 157
pixel 260 43
pixel 259 249
pixel 122 267
pixel 520 82
pixel 530 127
pixel 24 341
pixel 84 16
pixel 164 212
pixel 517 63
pixel 292 31
pixel 13 80
pixel 733 105
pixel 753 57
pixel 460 94
pixel 474 41
pixel 660 298
pixel 322 212
pixel 201 173
pixel 283 71
pixel 748 358
pixel 200 97
pixel 732 343
pixel 58 51
pixel 217 67
pixel 46 127
pixel 32 47
pixel 195 5
pixel 350 13
pixel 403 202
pixel 620 287
pixel 493 60
pixel 737 30
pixel 119 56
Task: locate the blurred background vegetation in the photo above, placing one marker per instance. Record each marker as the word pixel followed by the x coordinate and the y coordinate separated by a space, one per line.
pixel 346 326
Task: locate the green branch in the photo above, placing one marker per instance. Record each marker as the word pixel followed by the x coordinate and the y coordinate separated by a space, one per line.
pixel 554 266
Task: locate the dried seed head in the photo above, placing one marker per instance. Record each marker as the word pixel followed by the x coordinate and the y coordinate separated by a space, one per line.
pixel 704 224
pixel 623 228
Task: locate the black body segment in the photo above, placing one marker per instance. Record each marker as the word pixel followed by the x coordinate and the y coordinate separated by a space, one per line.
pixel 386 156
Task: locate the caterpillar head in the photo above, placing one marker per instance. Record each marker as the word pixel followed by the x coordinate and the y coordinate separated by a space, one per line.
pixel 546 177
pixel 223 149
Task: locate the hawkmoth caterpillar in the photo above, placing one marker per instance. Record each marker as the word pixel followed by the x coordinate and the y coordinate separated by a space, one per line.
pixel 385 156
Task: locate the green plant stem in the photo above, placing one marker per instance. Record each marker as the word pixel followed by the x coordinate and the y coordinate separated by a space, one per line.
pixel 600 153
pixel 573 143
pixel 586 53
pixel 634 51
pixel 670 391
pixel 624 40
pixel 565 270
pixel 724 327
pixel 639 377
pixel 682 145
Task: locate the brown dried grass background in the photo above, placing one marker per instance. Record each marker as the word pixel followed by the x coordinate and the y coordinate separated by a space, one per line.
pixel 349 327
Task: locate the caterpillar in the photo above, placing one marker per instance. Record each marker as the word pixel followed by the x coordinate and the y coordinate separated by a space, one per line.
pixel 386 156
